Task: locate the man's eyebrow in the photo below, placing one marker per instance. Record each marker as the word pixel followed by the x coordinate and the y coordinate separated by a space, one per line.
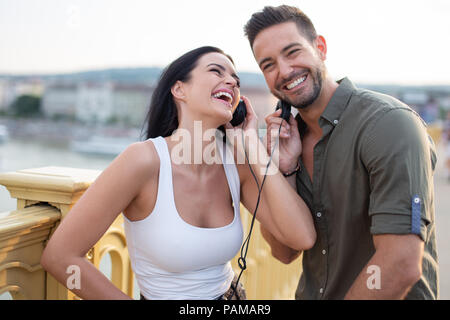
pixel 263 61
pixel 289 46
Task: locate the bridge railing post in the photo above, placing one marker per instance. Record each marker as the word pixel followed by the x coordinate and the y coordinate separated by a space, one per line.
pixel 60 188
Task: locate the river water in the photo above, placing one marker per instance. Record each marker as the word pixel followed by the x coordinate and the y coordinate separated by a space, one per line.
pixel 17 154
pixel 21 153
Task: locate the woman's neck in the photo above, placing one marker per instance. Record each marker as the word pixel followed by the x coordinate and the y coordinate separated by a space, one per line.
pixel 194 147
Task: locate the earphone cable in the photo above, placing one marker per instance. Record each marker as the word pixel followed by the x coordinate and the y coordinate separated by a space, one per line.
pixel 242 262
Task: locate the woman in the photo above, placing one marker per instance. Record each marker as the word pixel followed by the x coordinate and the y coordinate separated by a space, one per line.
pixel 182 218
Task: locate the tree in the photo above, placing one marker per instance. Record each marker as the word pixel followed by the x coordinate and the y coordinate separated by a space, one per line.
pixel 26 106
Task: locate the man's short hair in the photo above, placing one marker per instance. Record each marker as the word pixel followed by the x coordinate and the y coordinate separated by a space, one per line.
pixel 270 16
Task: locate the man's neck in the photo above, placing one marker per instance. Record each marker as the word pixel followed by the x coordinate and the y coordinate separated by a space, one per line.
pixel 312 113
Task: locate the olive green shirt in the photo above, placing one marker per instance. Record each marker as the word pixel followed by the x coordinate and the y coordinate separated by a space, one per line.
pixel 373 174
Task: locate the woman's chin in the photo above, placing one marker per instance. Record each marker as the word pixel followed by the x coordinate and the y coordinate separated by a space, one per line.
pixel 218 117
pixel 224 117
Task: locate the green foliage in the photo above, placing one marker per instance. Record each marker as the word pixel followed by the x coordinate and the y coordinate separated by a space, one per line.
pixel 112 120
pixel 26 106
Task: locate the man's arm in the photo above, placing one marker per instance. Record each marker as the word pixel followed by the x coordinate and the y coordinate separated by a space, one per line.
pixel 392 271
pixel 399 160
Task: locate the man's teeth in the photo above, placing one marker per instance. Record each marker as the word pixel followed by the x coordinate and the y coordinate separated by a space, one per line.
pixel 226 94
pixel 296 82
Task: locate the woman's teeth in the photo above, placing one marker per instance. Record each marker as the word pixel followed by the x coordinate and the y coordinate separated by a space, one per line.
pixel 296 83
pixel 223 94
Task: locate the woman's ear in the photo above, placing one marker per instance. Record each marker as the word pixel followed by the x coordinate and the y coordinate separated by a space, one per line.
pixel 178 90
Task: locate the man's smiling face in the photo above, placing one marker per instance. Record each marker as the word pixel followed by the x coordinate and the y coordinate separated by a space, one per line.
pixel 292 66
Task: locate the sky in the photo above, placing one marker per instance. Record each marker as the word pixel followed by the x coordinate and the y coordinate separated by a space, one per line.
pixel 382 41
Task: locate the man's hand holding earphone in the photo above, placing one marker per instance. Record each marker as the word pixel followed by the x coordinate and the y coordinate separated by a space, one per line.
pixel 290 145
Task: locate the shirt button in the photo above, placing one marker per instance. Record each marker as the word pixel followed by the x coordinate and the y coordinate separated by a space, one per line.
pixel 319 214
pixel 321 290
pixel 336 121
pixel 324 251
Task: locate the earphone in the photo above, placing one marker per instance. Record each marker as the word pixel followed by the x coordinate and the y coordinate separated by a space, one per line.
pixel 240 112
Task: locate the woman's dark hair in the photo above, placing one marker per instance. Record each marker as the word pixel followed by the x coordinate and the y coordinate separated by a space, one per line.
pixel 270 16
pixel 162 116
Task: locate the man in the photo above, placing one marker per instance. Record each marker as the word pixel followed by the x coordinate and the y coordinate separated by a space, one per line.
pixel 363 163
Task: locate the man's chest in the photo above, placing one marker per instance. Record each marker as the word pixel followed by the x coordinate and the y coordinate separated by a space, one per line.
pixel 332 164
pixel 308 143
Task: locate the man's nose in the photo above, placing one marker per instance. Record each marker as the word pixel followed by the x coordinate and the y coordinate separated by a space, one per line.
pixel 285 68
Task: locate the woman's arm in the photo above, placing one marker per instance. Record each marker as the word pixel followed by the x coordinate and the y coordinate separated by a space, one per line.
pixel 281 211
pixel 90 218
pixel 279 251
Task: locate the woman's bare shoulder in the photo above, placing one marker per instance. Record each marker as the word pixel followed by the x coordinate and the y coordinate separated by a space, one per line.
pixel 142 158
pixel 145 153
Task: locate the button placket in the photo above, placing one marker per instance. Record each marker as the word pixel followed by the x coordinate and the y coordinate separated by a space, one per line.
pixel 322 223
pixel 319 151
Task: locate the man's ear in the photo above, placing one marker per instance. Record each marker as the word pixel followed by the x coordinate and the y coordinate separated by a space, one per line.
pixel 178 90
pixel 321 46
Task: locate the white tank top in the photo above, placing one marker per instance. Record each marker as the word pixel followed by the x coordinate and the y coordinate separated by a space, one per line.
pixel 173 259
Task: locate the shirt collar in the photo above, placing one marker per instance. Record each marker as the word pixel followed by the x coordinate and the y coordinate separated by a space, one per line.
pixel 339 101
pixel 336 106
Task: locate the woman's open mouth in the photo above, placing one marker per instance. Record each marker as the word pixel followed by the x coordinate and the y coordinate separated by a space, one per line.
pixel 224 96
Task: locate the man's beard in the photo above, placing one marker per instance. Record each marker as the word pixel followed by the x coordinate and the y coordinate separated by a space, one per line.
pixel 309 99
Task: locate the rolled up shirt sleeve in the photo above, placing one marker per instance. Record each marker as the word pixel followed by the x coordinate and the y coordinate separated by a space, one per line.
pixel 400 159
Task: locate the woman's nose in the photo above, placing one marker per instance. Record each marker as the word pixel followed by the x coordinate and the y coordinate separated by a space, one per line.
pixel 232 81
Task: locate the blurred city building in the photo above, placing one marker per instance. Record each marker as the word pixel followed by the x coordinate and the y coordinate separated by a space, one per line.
pixel 122 96
pixel 97 102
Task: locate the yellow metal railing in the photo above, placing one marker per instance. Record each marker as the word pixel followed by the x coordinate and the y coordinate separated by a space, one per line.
pixel 22 236
pixel 265 277
pixel 46 195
